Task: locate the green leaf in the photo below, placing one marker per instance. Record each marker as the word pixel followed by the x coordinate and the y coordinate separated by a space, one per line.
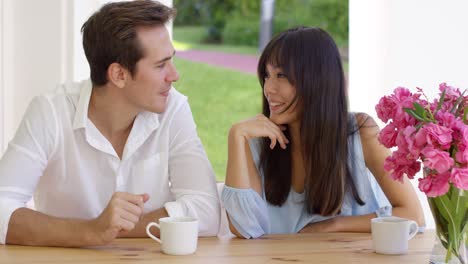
pixel 458 199
pixel 441 101
pixel 465 112
pixel 464 211
pixel 463 217
pixel 447 210
pixel 412 113
pixel 457 226
pixel 457 102
pixel 448 256
pixel 440 208
pixel 419 109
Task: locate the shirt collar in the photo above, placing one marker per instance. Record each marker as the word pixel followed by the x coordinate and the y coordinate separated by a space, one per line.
pixel 81 115
pixel 143 126
pixel 147 120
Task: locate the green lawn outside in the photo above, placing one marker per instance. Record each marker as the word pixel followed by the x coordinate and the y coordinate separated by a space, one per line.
pixel 218 98
pixel 190 37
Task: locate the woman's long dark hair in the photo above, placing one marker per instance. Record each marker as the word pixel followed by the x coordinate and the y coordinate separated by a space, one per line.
pixel 311 61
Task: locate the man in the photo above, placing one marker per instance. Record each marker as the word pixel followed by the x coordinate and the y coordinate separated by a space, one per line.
pixel 104 158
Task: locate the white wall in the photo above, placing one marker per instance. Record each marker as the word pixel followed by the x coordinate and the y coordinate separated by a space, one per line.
pixel 2 96
pixel 405 43
pixel 82 10
pixel 40 47
pixel 34 55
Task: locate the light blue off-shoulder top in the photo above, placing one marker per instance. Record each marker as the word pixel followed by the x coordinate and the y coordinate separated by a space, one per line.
pixel 253 216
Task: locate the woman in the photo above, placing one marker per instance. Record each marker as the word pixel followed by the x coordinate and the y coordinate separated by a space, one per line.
pixel 306 164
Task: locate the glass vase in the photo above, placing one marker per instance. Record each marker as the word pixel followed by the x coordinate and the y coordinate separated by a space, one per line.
pixel 450 212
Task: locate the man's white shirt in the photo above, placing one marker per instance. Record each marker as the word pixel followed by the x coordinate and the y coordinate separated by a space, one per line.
pixel 60 158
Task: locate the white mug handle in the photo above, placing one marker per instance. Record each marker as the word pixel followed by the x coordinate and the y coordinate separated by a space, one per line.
pixel 148 231
pixel 413 229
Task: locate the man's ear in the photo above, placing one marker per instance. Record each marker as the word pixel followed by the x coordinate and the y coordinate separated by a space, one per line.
pixel 118 75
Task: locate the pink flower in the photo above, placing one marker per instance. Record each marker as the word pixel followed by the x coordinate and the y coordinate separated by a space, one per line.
pixel 420 138
pixel 434 185
pixel 451 93
pixel 407 140
pixel 390 165
pixel 446 119
pixel 388 135
pixel 404 99
pixel 437 160
pixel 438 135
pixel 461 136
pixel 385 109
pixel 400 141
pixel 462 154
pixel 459 178
pixel 392 107
pixel 403 119
pixel 463 131
pixel 400 163
pixel 451 96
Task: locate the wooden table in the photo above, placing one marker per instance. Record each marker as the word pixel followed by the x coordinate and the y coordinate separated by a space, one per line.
pixel 300 248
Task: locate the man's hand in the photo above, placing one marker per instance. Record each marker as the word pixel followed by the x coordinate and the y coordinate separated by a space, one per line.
pixel 121 214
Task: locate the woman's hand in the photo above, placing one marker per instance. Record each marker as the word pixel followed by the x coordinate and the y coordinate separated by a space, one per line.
pixel 241 171
pixel 260 126
pixel 327 226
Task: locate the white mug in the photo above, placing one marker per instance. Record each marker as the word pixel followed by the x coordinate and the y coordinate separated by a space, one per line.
pixel 178 235
pixel 390 235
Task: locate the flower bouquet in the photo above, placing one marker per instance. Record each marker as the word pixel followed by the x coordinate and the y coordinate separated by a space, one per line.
pixel 434 135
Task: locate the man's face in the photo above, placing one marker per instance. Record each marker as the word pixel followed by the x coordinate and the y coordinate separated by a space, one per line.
pixel 148 90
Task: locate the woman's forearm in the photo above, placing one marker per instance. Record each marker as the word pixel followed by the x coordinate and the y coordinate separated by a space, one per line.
pixel 241 171
pixel 359 223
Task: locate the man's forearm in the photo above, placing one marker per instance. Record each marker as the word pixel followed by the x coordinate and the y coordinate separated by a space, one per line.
pixel 32 228
pixel 140 228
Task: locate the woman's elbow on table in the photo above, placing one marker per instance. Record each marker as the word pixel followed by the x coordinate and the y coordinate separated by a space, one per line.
pixel 234 230
pixel 414 213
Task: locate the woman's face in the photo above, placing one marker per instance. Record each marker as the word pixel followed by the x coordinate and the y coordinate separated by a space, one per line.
pixel 280 94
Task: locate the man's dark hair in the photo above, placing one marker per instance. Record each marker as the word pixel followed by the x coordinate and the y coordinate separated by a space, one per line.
pixel 109 35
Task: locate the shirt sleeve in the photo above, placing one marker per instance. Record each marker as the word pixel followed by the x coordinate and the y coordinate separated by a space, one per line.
pixel 191 176
pixel 25 160
pixel 247 211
